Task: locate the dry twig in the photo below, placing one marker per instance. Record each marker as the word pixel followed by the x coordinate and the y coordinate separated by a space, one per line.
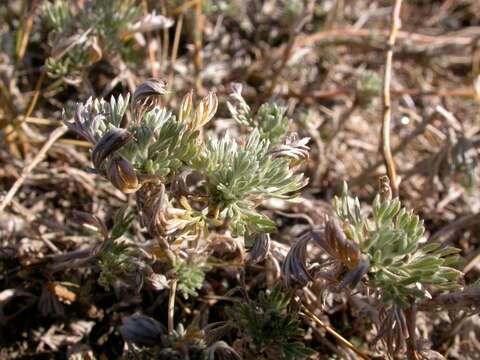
pixel 387 105
pixel 171 305
pixel 335 334
pixel 26 171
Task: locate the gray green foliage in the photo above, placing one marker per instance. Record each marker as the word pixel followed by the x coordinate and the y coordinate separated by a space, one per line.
pixel 401 269
pixel 149 145
pixel 116 261
pixel 270 120
pixel 190 276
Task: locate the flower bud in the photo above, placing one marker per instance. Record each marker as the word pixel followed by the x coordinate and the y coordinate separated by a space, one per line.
pixel 110 142
pixel 186 106
pixel 147 96
pixel 122 175
pixel 141 330
pixel 205 111
pixel 294 268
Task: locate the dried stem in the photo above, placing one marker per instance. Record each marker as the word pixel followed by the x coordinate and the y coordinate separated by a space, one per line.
pixel 198 44
pixel 166 37
pixel 171 306
pixel 387 105
pixel 19 121
pixel 151 51
pixel 369 172
pixel 26 171
pixel 173 59
pixel 411 316
pixel 332 332
pixel 165 246
pixel 26 23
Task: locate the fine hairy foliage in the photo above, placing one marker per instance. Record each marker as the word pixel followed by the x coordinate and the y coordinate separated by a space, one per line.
pixel 270 120
pixel 267 329
pixel 241 175
pixel 190 275
pixel 150 145
pixel 400 270
pixel 379 254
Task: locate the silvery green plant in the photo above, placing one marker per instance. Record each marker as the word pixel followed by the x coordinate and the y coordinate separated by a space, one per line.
pixel 379 254
pixel 83 33
pixel 400 269
pixel 188 182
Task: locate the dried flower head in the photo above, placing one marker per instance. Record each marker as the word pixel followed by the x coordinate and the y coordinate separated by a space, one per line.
pixel 90 221
pixel 150 22
pixel 186 107
pixel 109 143
pixel 294 268
pixel 141 330
pixel 220 350
pixel 122 175
pixel 260 249
pixel 147 96
pixel 204 111
pixel 293 147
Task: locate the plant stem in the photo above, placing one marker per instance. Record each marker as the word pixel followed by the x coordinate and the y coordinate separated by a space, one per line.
pixel 332 332
pixel 171 306
pixel 27 169
pixel 197 43
pixel 176 41
pixel 387 105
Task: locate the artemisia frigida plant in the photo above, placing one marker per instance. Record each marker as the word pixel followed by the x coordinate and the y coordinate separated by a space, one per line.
pixel 379 255
pixel 188 183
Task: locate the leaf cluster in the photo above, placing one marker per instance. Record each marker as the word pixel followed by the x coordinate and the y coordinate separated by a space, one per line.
pixel 270 120
pixel 268 327
pixel 240 176
pixel 190 276
pixel 148 144
pixel 400 268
